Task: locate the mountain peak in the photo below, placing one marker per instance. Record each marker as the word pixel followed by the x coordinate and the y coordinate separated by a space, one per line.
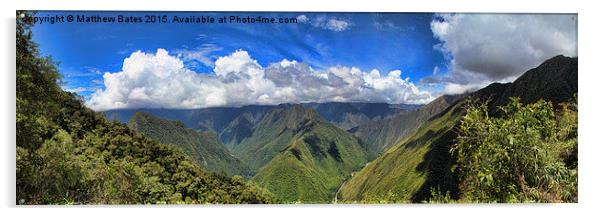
pixel 555 79
pixel 295 115
pixel 558 59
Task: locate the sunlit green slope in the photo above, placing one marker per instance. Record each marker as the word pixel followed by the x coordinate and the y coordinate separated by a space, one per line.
pixel 311 157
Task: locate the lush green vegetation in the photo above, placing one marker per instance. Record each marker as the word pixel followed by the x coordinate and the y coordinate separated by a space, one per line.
pixel 273 134
pixel 406 171
pixel 313 165
pixel 378 136
pixel 204 147
pixel 528 154
pixel 67 153
pixel 299 156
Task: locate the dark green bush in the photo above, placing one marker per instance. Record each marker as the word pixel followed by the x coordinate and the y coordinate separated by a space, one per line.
pixel 521 156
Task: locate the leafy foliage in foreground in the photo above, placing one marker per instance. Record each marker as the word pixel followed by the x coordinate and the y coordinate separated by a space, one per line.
pixel 528 154
pixel 67 153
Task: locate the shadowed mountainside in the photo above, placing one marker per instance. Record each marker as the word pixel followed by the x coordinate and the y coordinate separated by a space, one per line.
pixel 378 135
pixel 203 147
pixel 408 170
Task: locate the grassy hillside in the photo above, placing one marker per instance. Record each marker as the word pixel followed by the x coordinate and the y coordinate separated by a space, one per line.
pixel 69 154
pixel 299 156
pixel 314 163
pixel 273 134
pixel 405 171
pixel 378 135
pixel 203 147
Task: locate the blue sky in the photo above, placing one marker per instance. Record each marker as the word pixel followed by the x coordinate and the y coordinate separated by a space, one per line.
pixel 402 41
pixel 366 41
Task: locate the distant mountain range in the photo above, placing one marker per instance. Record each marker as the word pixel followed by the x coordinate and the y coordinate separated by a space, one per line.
pixel 207 119
pixel 234 124
pixel 351 152
pixel 218 119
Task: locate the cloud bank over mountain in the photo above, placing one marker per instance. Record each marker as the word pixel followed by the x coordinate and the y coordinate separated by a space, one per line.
pixel 485 48
pixel 161 80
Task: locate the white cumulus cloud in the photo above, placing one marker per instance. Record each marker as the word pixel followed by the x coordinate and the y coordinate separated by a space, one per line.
pixel 485 48
pixel 161 80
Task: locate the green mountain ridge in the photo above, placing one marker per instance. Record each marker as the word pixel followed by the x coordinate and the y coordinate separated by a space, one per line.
pixel 311 156
pixel 296 154
pixel 240 128
pixel 234 124
pixel 204 147
pixel 378 135
pixel 350 115
pixel 407 171
pixel 272 134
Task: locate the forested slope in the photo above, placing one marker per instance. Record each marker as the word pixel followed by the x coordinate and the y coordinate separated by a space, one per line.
pixel 203 146
pixel 67 153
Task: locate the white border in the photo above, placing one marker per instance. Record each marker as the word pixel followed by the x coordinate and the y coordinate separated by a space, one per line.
pixel 589 99
pixel 520 6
